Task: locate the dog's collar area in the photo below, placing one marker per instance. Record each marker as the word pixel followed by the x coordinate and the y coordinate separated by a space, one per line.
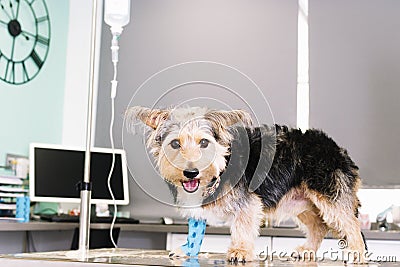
pixel 212 187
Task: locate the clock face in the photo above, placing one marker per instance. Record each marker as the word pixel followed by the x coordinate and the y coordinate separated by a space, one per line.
pixel 24 39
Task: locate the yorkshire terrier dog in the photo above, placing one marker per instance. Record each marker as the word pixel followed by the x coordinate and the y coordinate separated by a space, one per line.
pixel 219 167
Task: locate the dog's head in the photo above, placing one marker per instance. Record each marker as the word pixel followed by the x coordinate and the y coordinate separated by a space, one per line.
pixel 190 144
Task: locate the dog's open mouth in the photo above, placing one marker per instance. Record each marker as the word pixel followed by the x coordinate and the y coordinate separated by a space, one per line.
pixel 191 186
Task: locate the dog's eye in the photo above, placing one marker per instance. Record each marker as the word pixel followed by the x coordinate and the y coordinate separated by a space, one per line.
pixel 204 143
pixel 175 144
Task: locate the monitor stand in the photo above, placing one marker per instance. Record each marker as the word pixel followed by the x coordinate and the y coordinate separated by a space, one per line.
pixel 102 210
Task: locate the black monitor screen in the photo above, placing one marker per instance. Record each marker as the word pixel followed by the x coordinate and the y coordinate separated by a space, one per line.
pixel 58 172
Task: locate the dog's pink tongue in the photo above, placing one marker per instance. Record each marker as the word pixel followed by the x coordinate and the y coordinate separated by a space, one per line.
pixel 191 185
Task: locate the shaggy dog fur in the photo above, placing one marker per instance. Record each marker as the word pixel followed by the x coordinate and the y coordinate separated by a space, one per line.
pixel 220 167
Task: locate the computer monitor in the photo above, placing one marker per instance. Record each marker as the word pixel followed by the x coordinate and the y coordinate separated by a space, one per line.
pixel 55 172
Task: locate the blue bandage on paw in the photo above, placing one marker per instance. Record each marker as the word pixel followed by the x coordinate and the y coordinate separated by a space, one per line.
pixel 197 229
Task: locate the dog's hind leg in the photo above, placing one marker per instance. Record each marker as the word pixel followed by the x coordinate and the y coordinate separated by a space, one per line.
pixel 341 217
pixel 315 230
pixel 244 230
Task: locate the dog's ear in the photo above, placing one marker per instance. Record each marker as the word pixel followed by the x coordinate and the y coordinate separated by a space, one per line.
pixel 225 119
pixel 151 117
pixel 222 120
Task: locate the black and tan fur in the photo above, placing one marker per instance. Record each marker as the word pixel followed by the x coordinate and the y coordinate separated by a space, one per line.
pixel 262 171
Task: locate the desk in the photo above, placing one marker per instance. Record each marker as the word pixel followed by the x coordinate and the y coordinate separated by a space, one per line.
pixel 50 236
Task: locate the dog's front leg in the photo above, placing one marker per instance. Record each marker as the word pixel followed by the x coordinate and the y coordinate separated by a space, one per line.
pixel 195 237
pixel 244 230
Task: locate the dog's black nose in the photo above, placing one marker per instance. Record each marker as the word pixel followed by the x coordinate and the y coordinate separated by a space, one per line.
pixel 190 173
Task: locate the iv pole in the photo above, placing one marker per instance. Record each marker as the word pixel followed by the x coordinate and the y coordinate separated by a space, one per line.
pixel 86 186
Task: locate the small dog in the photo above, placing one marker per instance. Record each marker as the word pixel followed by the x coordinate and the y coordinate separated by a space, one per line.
pixel 220 167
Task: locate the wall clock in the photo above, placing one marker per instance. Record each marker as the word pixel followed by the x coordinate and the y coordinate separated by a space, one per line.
pixel 24 39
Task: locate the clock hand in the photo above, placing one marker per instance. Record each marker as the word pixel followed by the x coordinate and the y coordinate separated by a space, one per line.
pixel 38 38
pixel 26 36
pixel 12 51
pixel 12 10
pixel 16 15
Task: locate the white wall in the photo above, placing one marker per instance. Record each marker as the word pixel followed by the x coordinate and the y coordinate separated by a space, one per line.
pixel 374 201
pixel 77 76
pixel 77 71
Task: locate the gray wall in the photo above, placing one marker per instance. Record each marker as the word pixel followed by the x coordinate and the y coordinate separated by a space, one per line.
pixel 355 81
pixel 258 37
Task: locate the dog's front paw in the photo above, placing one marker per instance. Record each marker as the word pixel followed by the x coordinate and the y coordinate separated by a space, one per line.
pixel 239 255
pixel 177 253
pixel 305 253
